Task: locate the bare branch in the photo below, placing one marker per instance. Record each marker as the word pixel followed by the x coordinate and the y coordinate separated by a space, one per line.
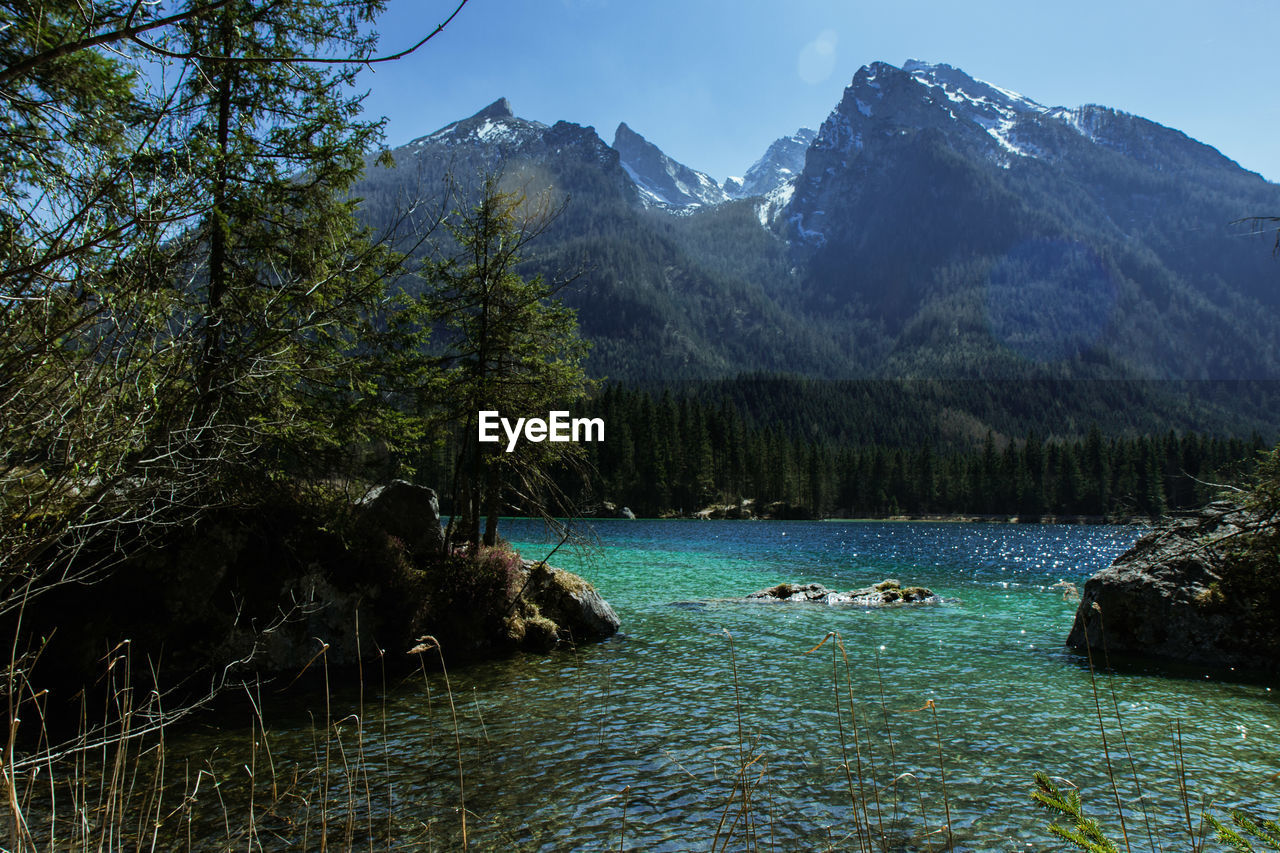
pixel 126 32
pixel 303 60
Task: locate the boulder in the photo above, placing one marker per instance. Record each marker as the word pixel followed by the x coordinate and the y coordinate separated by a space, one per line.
pixel 886 592
pixel 409 512
pixel 1162 598
pixel 578 611
pixel 720 512
pixel 626 512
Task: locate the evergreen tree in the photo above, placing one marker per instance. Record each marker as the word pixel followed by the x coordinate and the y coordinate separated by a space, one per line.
pixel 282 274
pixel 512 348
pixel 1096 493
pixel 1031 478
pixel 182 278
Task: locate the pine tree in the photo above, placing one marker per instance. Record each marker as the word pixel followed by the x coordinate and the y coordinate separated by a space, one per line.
pixel 989 476
pixel 87 352
pixel 1096 497
pixel 282 276
pixel 182 276
pixel 512 348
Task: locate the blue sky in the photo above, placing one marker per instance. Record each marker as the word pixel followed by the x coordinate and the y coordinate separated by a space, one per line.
pixel 713 82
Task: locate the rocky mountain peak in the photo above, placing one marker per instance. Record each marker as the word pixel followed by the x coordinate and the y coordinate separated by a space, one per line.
pixel 779 167
pixel 495 125
pixel 662 181
pixel 626 137
pixel 884 102
pixel 499 109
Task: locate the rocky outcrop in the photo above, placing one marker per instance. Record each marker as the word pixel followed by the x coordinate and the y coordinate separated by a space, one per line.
pixel 573 605
pixel 282 588
pixel 1164 598
pixel 407 511
pixel 609 509
pixel 717 512
pixel 887 592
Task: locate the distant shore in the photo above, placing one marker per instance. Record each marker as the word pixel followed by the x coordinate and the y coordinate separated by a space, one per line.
pixel 952 518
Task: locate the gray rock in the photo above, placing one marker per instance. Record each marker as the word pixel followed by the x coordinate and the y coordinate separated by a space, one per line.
pixel 321 615
pixel 626 512
pixel 1158 599
pixel 570 602
pixel 887 592
pixel 407 511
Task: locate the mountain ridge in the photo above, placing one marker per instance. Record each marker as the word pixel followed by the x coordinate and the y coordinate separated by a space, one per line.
pixel 662 181
pixel 936 226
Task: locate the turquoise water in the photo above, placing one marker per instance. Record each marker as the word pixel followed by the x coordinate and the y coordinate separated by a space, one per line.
pixel 637 742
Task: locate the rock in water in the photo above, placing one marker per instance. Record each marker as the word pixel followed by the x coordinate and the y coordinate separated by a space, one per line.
pixel 409 512
pixel 1161 599
pixel 570 602
pixel 886 592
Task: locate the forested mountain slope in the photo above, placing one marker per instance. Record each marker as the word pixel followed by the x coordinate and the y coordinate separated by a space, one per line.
pixel 941 227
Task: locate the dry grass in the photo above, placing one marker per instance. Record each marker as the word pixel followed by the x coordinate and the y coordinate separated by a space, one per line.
pixel 119 787
pixel 113 787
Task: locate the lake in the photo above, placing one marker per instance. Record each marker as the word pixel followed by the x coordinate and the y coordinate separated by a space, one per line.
pixel 640 742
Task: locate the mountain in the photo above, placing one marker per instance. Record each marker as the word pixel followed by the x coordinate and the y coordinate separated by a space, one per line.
pixel 661 296
pixel 936 226
pixel 981 233
pixel 662 181
pixel 569 156
pixel 779 167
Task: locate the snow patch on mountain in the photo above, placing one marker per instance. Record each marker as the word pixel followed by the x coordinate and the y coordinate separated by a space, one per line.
pixel 771 205
pixel 781 164
pixel 806 231
pixel 996 109
pixel 663 182
pixel 495 125
pixel 649 195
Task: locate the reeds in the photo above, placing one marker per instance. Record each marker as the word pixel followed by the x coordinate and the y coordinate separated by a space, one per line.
pixel 879 815
pixel 114 786
pixel 127 786
pixel 1189 831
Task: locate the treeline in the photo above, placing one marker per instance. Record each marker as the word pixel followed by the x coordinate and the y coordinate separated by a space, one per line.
pixel 665 453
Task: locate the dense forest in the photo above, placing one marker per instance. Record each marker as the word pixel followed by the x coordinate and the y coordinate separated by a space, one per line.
pixel 669 453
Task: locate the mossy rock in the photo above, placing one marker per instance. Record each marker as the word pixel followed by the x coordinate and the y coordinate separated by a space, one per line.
pixel 540 634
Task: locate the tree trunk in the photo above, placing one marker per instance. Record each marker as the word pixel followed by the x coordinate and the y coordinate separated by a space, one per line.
pixel 212 356
pixel 493 501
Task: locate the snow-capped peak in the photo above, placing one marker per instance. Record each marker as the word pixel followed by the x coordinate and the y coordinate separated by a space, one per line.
pixel 960 87
pixel 995 108
pixel 780 165
pixel 663 182
pixel 496 124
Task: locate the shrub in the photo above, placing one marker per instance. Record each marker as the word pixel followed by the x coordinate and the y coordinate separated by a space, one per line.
pixel 469 595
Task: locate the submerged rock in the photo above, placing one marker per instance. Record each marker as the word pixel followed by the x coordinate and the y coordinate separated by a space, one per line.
pixel 886 592
pixel 1163 598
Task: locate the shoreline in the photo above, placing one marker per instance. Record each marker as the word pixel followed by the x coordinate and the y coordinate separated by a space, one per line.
pixel 931 518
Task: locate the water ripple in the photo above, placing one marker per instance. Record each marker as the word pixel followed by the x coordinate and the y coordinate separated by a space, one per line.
pixel 641 741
